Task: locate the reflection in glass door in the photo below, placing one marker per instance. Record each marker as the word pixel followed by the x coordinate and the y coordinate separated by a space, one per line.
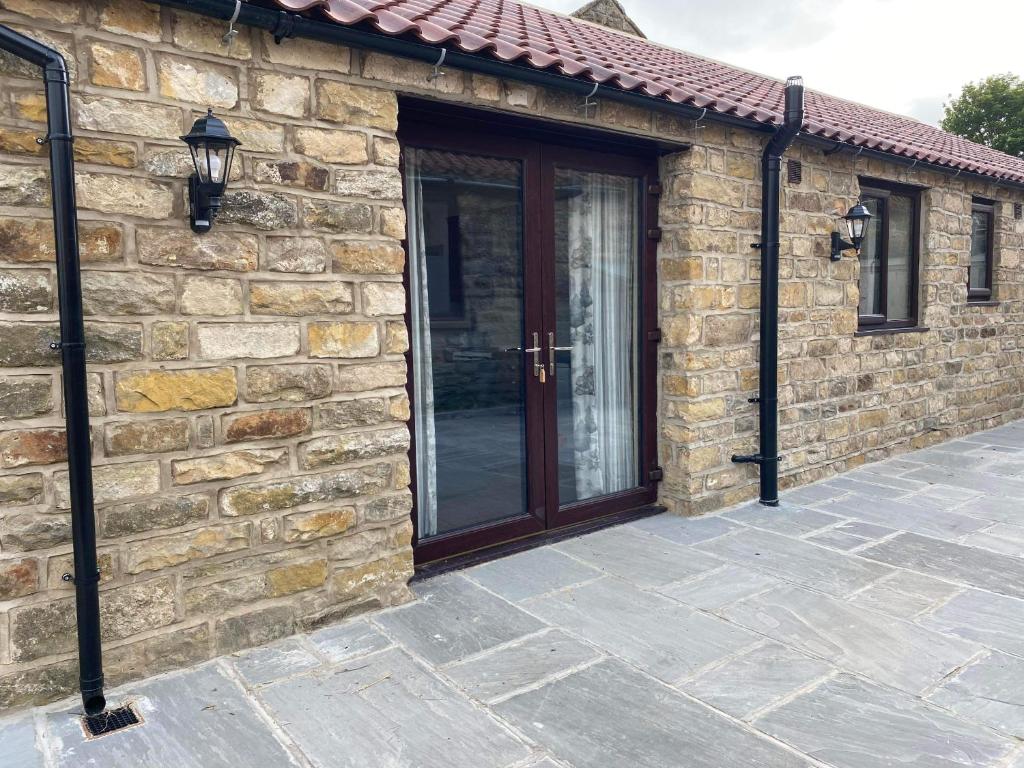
pixel 465 241
pixel 594 345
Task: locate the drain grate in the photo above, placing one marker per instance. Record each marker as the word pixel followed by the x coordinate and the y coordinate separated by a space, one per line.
pixel 110 721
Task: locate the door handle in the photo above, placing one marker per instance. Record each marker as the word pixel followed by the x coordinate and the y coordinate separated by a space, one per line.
pixel 535 350
pixel 551 351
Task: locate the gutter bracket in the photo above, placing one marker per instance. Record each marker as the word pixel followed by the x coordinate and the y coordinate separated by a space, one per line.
pixel 437 72
pixel 285 27
pixel 588 102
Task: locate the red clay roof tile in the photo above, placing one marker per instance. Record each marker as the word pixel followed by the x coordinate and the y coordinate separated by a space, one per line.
pixel 510 31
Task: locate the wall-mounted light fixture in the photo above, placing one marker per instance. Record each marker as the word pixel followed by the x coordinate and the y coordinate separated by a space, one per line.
pixel 213 149
pixel 856 219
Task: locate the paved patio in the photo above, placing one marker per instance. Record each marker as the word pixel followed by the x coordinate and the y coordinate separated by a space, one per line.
pixel 875 619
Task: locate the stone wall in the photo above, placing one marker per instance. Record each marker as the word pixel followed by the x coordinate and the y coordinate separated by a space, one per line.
pixel 247 386
pixel 844 398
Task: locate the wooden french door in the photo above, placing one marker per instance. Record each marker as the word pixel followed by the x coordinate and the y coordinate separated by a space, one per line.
pixel 531 315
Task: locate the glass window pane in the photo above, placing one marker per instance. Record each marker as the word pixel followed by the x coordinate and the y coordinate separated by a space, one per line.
pixel 978 275
pixel 871 260
pixel 466 285
pixel 596 268
pixel 901 257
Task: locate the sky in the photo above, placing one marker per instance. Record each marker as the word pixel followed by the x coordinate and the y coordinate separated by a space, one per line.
pixel 903 56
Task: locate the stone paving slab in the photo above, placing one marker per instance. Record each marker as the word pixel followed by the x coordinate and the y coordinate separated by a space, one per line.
pixel 611 715
pixel 454 618
pixel 18 744
pixel 873 620
pixel 851 723
pixel 797 561
pixel 200 719
pixel 388 711
pixel 898 653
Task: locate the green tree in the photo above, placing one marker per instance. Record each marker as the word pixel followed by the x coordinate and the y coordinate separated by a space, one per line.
pixel 990 112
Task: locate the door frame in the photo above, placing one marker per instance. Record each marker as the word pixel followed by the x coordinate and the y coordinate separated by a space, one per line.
pixel 428 124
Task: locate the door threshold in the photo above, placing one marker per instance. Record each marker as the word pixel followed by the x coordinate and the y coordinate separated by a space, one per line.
pixel 515 546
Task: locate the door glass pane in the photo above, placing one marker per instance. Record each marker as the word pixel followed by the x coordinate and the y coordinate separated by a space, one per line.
pixel 871 260
pixel 901 257
pixel 466 285
pixel 596 269
pixel 979 250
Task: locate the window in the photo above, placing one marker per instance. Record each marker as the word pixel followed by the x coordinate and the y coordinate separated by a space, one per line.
pixel 979 274
pixel 889 257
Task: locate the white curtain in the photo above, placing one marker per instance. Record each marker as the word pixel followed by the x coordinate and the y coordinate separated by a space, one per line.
pixel 423 377
pixel 602 283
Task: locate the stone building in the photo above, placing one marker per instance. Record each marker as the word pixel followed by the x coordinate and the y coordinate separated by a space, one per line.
pixel 341 373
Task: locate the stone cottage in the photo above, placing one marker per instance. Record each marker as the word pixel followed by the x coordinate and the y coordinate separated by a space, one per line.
pixel 480 272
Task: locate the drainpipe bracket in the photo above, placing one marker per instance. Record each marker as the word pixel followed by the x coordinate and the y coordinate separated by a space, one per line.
pixel 54 137
pixel 60 346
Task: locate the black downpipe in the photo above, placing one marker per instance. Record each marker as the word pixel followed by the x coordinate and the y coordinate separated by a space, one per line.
pixel 767 457
pixel 72 349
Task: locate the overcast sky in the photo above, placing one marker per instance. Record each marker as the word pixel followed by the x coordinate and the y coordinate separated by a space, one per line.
pixel 905 56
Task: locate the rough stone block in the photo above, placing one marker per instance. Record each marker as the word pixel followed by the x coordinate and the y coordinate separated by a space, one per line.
pixel 332 146
pixel 128 17
pixel 247 340
pixel 58 565
pixel 23 397
pixel 256 135
pixel 28 344
pixel 258 498
pixel 386 151
pixel 18 577
pixel 25 531
pixel 350 413
pixel 396 337
pixel 18 490
pixel 383 299
pixel 155 436
pixel 368 257
pixel 263 210
pixel 295 254
pixel 133 117
pixel 264 384
pixel 205 35
pixel 187 390
pixel 29 241
pixel 169 341
pixel 24 185
pixel 355 446
pixel 124 195
pixel 279 93
pixel 215 250
pixel 291 173
pixel 23 447
pixel 227 466
pixel 211 296
pixel 113 482
pixel 120 154
pixel 367 376
pixel 306 526
pixel 371 578
pixel 153 514
pixel 260 425
pixel 127 293
pixel 299 299
pixel 356 105
pixel 199 82
pixel 254 628
pixel 25 290
pixel 346 339
pixel 312 54
pixel 116 66
pixel 166 551
pixel 390 69
pixel 337 217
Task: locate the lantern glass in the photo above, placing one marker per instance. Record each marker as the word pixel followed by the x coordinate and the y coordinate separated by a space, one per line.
pixel 857 219
pixel 212 161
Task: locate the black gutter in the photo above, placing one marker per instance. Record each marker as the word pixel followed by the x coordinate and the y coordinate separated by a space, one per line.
pixel 767 458
pixel 72 349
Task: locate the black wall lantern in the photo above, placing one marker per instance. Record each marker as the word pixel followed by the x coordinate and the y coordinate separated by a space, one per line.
pixel 213 149
pixel 856 219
